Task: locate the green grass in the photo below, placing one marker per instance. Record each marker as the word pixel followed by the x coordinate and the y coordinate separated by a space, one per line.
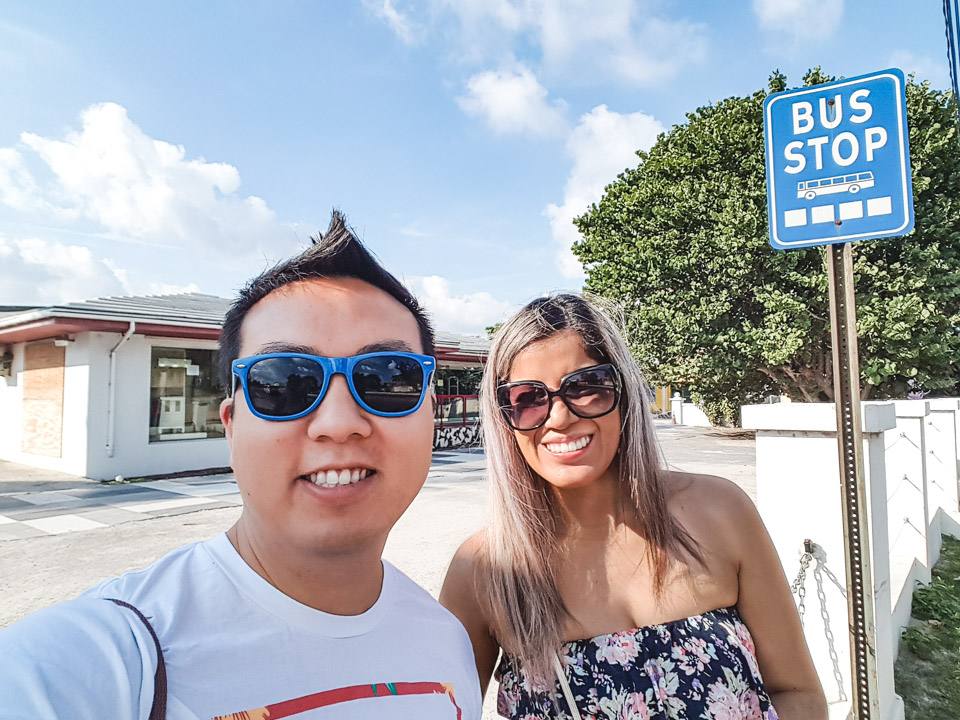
pixel 928 669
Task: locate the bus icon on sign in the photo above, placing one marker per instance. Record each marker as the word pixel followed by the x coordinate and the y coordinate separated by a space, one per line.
pixel 810 189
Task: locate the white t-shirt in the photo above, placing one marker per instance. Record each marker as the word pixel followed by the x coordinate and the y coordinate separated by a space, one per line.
pixel 234 644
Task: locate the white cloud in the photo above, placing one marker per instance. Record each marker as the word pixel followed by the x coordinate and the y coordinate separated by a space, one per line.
pixel 469 314
pixel 510 15
pixel 17 187
pixel 602 146
pixel 800 19
pixel 39 272
pixel 629 40
pixel 135 186
pixel 623 37
pixel 171 289
pixel 21 50
pixel 398 22
pixel 412 230
pixel 926 68
pixel 512 100
pixel 119 190
pixel 657 51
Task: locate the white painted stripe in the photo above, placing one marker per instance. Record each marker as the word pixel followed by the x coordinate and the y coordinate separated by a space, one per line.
pixel 166 504
pixel 46 498
pixel 202 490
pixel 795 218
pixel 851 210
pixel 821 214
pixel 879 206
pixel 4 520
pixel 57 524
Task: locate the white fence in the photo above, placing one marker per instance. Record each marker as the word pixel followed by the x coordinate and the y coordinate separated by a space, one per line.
pixel 911 466
pixel 685 412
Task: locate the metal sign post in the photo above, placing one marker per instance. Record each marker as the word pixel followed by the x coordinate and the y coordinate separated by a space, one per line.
pixel 951 15
pixel 846 393
pixel 838 171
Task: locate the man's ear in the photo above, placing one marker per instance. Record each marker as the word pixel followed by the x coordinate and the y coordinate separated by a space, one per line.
pixel 226 417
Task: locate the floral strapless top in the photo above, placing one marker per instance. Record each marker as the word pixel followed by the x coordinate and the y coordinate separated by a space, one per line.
pixel 703 667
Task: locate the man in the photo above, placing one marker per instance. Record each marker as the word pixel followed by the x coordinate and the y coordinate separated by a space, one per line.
pixel 291 612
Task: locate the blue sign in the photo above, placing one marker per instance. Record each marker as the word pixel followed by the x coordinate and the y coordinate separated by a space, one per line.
pixel 838 162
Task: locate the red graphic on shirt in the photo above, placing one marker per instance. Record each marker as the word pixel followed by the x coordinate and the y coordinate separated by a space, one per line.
pixel 342 695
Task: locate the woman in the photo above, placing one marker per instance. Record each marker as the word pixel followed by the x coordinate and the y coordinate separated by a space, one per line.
pixel 616 588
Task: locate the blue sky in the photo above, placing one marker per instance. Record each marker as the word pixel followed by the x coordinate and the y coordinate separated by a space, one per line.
pixel 183 146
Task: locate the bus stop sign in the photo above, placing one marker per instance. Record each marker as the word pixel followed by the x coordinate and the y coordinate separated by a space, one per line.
pixel 838 162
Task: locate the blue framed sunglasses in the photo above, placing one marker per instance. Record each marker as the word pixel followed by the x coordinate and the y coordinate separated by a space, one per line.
pixel 287 386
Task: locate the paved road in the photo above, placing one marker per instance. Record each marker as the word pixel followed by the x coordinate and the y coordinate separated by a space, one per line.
pixel 712 451
pixel 40 503
pixel 61 534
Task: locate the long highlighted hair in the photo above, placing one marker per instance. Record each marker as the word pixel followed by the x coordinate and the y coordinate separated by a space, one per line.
pixel 524 605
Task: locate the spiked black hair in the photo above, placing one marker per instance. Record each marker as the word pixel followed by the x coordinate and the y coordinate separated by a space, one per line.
pixel 336 253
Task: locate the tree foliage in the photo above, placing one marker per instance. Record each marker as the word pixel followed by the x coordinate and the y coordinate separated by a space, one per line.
pixel 681 241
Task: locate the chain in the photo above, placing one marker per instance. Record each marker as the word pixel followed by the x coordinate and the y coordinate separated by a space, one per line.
pixel 798 586
pixel 811 552
pixel 827 631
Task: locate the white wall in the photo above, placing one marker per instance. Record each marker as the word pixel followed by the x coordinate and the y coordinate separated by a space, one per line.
pixel 911 549
pixel 85 415
pixel 133 453
pixel 11 407
pixel 941 429
pixel 799 497
pixel 685 412
pixel 912 470
pixel 73 455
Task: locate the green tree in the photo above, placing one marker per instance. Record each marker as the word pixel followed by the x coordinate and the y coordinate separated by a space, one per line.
pixel 681 241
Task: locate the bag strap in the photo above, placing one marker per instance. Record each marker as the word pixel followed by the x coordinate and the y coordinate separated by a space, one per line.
pixel 159 709
pixel 565 687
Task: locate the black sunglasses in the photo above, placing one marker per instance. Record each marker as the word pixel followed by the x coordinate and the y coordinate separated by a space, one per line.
pixel 588 393
pixel 287 386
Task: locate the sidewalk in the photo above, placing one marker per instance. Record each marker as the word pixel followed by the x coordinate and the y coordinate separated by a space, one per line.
pixel 34 503
pixel 45 560
pixel 727 452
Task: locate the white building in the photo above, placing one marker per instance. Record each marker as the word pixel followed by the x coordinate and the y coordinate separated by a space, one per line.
pixel 125 386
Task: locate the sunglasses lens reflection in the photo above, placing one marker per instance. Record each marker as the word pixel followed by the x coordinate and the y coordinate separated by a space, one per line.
pixel 284 386
pixel 588 393
pixel 389 383
pixel 527 405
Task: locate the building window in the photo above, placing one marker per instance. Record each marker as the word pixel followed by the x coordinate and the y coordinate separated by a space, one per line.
pixel 184 394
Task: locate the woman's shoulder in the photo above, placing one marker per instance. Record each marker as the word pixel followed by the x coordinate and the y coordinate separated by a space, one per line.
pixel 465 588
pixel 463 571
pixel 696 487
pixel 472 549
pixel 709 507
pixel 464 593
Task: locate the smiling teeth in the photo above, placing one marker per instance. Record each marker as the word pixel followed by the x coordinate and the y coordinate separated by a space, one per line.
pixel 568 447
pixel 336 478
